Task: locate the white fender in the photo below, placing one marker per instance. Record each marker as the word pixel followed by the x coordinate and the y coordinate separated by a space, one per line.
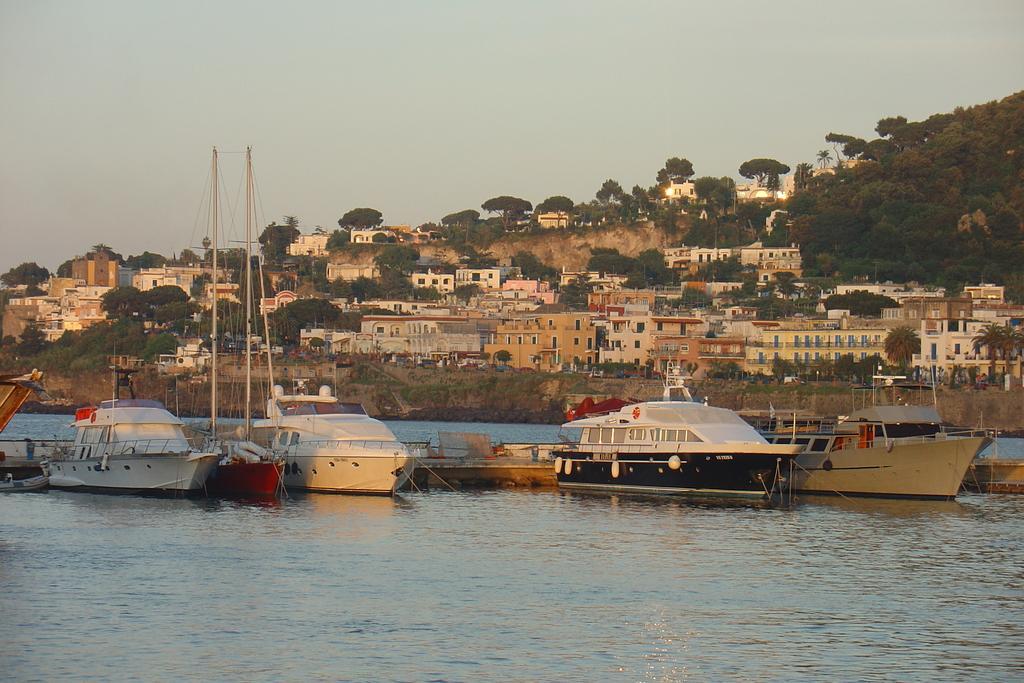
pixel 615 470
pixel 558 465
pixel 674 462
pixel 568 467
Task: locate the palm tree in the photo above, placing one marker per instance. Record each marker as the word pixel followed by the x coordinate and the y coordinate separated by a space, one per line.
pixel 824 158
pixel 993 338
pixel 901 344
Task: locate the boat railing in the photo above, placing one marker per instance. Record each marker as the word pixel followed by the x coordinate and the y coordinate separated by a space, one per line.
pixel 624 448
pixel 379 445
pixel 853 441
pixel 176 446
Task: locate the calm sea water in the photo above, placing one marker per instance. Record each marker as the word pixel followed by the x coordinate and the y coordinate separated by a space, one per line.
pixel 507 585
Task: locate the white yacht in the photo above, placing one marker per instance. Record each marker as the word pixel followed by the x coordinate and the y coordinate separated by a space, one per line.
pixel 334 447
pixel 674 447
pixel 130 446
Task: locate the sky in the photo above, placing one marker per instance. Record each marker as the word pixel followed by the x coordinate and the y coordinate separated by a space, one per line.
pixel 109 108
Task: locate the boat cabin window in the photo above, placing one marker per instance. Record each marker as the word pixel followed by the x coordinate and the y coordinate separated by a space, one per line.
pixel 92 435
pixel 655 434
pixel 593 435
pixel 606 435
pixel 637 434
pixel 668 435
pixel 295 438
pixel 620 435
pixel 820 445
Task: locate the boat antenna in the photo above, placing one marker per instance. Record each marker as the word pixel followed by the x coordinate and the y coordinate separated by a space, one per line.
pixel 214 209
pixel 248 292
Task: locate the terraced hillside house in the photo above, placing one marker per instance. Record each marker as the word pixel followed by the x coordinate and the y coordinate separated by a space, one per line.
pixel 547 343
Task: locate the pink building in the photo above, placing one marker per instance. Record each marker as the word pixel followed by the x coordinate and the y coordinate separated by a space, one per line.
pixel 536 289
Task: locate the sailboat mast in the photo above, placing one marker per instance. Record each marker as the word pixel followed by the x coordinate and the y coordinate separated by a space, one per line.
pixel 248 291
pixel 214 213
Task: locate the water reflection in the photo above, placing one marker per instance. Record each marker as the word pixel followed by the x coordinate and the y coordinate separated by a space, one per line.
pixel 884 507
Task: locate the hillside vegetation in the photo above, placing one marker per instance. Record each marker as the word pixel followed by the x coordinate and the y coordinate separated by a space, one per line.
pixel 938 201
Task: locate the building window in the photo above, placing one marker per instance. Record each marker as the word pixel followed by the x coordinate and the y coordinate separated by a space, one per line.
pixel 636 344
pixel 577 323
pixel 640 327
pixel 554 342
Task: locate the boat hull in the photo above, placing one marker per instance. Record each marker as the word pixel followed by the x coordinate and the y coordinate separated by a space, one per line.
pixel 177 474
pixel 929 468
pixel 334 471
pixel 725 475
pixel 258 479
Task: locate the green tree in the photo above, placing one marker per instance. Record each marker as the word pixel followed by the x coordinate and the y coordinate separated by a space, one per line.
pixel 400 258
pixel 503 357
pixel 463 218
pixel 364 289
pixel 802 176
pixel 575 294
pixel 159 344
pixel 166 294
pixel 511 209
pixel 532 268
pixel 125 302
pixel 33 341
pixel 29 273
pixel 901 344
pixel 361 219
pixel 395 285
pixel 338 240
pixel 995 338
pixel 288 321
pixel 610 191
pixel 860 303
pixel 466 292
pixel 275 240
pixel 146 259
pixel 824 158
pixel 676 170
pixel 556 203
pixel 765 171
pixel 608 260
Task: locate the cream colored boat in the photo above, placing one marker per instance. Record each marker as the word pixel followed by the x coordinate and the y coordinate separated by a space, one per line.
pixel 898 451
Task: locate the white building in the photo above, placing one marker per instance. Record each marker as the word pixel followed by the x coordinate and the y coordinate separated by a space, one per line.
pixel 442 282
pixel 181 277
pixel 366 236
pixel 309 245
pixel 351 271
pixel 676 191
pixel 986 292
pixel 406 335
pixel 488 279
pixel 553 219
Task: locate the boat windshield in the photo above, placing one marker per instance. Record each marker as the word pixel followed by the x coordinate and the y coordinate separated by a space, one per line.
pixel 131 403
pixel 323 409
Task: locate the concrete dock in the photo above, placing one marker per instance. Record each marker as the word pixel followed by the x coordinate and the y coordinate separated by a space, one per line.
pixel 506 472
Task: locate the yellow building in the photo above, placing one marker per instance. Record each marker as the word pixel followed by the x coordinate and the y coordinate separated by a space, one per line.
pixel 812 341
pixel 95 268
pixel 545 342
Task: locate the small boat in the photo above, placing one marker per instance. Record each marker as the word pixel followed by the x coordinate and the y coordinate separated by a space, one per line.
pixel 888 449
pixel 11 485
pixel 675 446
pixel 246 471
pixel 334 447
